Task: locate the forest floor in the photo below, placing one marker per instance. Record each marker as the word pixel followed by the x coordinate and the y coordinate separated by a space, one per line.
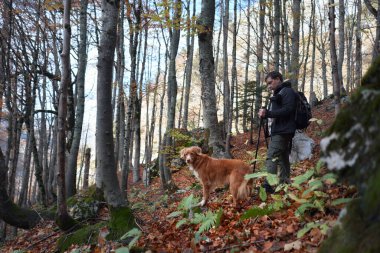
pixel 272 232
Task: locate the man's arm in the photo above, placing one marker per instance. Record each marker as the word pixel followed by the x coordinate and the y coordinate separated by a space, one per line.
pixel 288 105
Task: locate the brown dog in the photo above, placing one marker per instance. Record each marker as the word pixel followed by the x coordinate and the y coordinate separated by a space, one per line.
pixel 218 172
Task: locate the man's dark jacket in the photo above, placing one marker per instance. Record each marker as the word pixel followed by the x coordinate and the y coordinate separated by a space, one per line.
pixel 282 109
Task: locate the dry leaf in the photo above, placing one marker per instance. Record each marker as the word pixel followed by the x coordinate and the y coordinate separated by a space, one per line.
pixel 293 245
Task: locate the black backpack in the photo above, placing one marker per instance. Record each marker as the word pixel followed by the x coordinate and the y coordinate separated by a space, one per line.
pixel 303 111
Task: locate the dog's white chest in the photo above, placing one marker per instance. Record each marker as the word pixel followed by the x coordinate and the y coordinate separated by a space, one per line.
pixel 194 171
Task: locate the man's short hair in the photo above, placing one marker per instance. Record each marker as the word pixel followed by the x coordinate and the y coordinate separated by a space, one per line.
pixel 274 75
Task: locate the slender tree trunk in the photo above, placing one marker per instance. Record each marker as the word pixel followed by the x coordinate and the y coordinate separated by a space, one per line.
pixel 64 220
pixel 82 61
pixel 86 171
pixel 137 116
pixel 226 82
pixel 322 49
pixel 189 65
pixel 306 54
pixel 260 60
pixel 26 169
pixel 358 46
pixel 286 35
pixel 134 30
pixel 341 42
pixel 172 88
pixel 120 120
pixel 314 34
pixel 349 58
pixel 234 85
pixel 294 69
pixel 277 34
pixel 334 58
pixel 248 55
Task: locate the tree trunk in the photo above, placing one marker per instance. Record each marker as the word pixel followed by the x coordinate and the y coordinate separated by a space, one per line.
pixel 26 176
pixel 226 83
pixel 376 14
pixel 172 88
pixel 321 45
pixel 248 54
pixel 294 68
pixel 234 84
pixel 137 116
pixel 189 65
pixel 134 30
pixel 120 65
pixel 341 42
pixel 206 68
pixel 82 64
pixel 86 172
pixel 358 46
pixel 314 34
pixel 277 20
pixel 9 212
pixel 64 220
pixel 334 59
pixel 260 60
pixel 306 53
pixel 104 124
pixel 286 35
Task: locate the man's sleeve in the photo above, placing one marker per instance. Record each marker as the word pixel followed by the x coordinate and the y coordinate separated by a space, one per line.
pixel 288 104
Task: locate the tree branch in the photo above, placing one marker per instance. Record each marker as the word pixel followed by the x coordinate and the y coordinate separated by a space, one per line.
pixel 370 7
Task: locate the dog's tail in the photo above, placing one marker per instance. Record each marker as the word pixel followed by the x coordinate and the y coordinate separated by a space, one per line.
pixel 245 189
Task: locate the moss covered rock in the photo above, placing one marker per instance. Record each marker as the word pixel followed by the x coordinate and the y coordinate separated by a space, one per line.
pixel 122 220
pixel 85 204
pixel 351 149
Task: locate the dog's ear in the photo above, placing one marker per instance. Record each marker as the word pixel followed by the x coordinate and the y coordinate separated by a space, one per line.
pixel 182 153
pixel 198 150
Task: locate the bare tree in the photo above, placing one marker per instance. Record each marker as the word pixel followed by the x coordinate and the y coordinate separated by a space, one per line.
pixel 277 20
pixel 174 33
pixel 65 222
pixel 189 63
pixel 334 59
pixel 358 47
pixel 206 68
pixel 226 83
pixel 294 66
pixel 376 13
pixel 106 168
pixel 341 32
pixel 82 60
pixel 248 55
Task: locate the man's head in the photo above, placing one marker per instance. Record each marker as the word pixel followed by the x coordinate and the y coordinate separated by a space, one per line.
pixel 273 80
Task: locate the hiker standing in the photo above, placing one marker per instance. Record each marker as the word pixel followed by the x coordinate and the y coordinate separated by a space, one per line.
pixel 281 114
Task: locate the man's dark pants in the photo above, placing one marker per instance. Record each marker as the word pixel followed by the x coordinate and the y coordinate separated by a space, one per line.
pixel 278 154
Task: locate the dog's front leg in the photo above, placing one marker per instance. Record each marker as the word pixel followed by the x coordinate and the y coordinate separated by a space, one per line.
pixel 206 193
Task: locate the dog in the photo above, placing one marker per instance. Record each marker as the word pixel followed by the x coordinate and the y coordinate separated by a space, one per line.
pixel 213 172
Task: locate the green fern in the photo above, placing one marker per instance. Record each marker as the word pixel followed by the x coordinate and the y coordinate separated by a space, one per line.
pixel 207 220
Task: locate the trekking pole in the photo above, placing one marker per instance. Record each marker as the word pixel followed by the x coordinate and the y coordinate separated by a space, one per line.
pixel 257 144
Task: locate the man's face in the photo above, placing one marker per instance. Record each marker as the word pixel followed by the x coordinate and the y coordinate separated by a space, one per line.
pixel 273 83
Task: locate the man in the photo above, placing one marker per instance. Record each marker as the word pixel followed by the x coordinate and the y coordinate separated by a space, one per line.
pixel 281 110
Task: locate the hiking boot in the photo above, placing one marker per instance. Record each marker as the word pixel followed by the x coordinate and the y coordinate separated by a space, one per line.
pixel 268 188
